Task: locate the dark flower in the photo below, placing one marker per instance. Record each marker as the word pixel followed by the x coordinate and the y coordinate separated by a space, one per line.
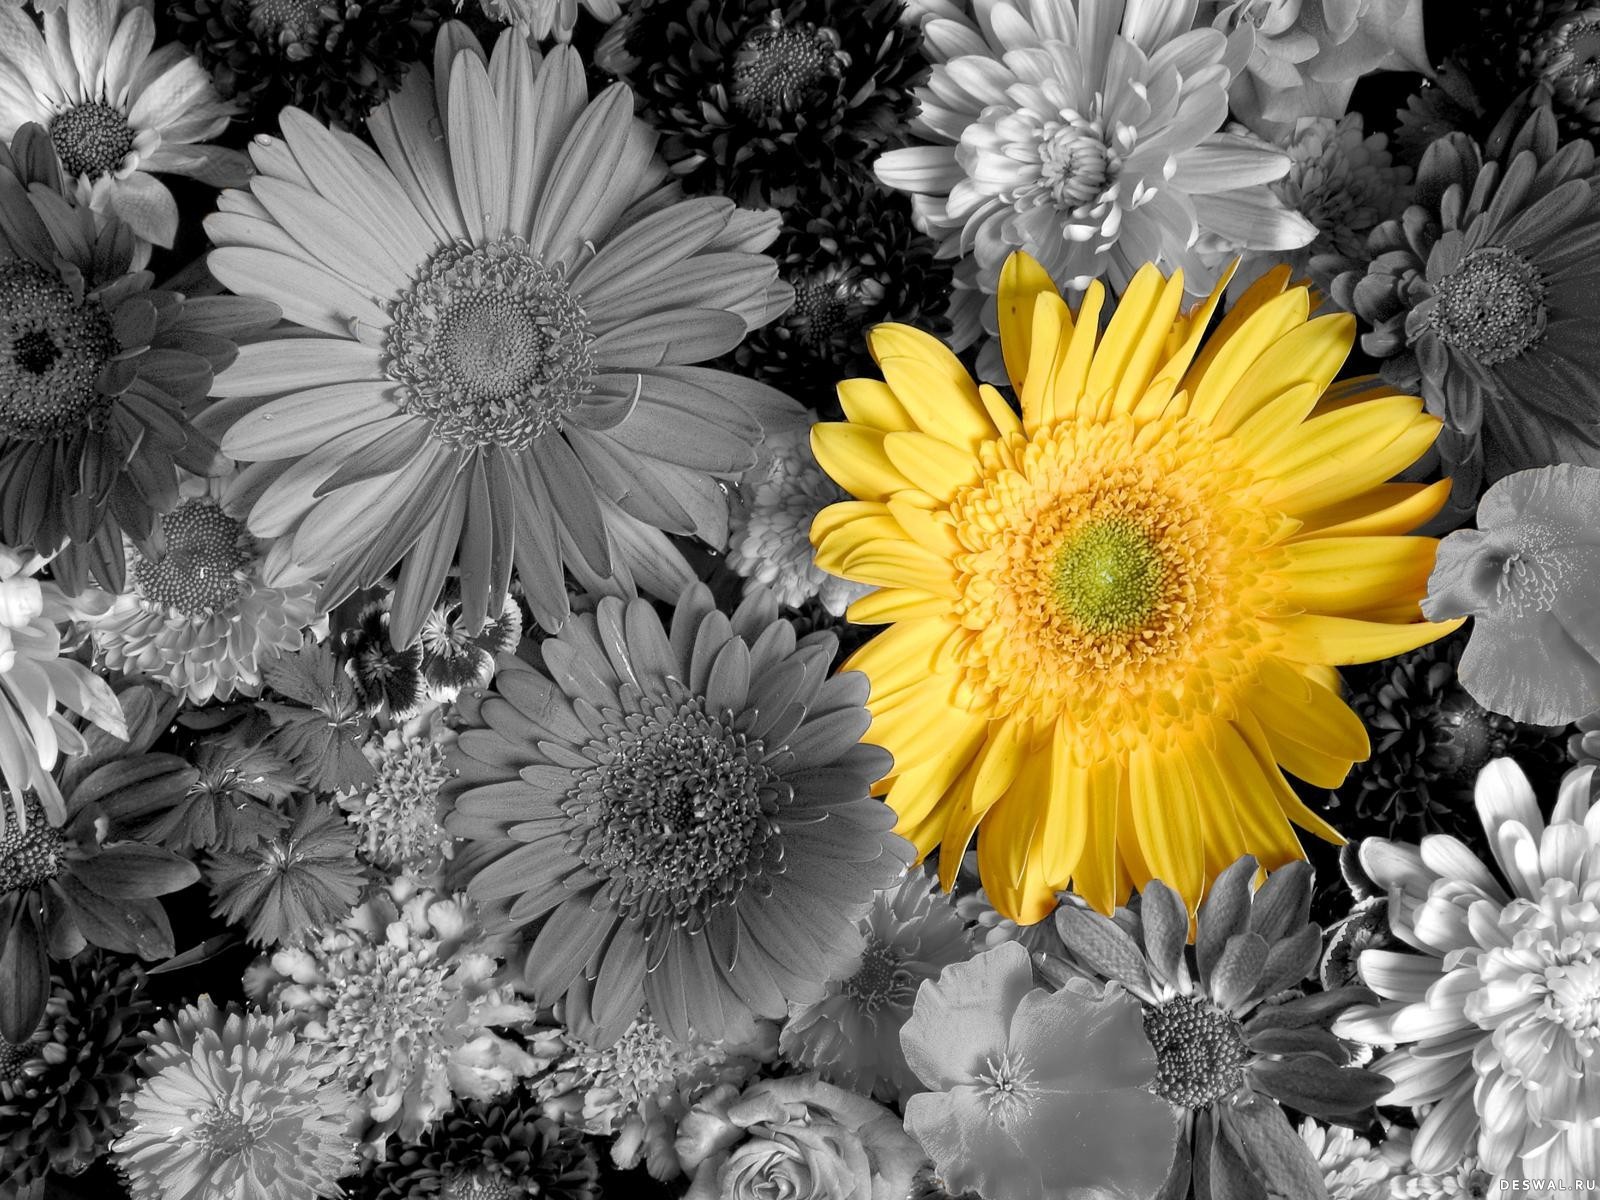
pixel 290 882
pixel 1481 296
pixel 1430 739
pixel 1511 45
pixel 1230 1048
pixel 337 60
pixel 483 1149
pixel 455 656
pixel 683 817
pixel 760 101
pixel 62 887
pixel 60 1088
pixel 386 679
pixel 855 259
pixel 323 732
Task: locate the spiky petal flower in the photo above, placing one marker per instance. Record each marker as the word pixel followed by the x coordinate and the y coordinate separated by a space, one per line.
pixel 455 655
pixel 1494 1017
pixel 682 816
pixel 511 373
pixel 1351 1166
pixel 196 612
pixel 1228 1048
pixel 119 112
pixel 1092 140
pixel 1127 592
pixel 770 544
pixel 852 1036
pixel 406 988
pixel 99 373
pixel 235 1104
pixel 60 1089
pixel 1481 296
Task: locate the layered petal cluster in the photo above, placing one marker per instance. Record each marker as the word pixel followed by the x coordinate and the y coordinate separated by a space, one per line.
pixel 1492 1014
pixel 675 817
pixel 1114 617
pixel 1088 135
pixel 494 356
pixel 118 111
pixel 540 19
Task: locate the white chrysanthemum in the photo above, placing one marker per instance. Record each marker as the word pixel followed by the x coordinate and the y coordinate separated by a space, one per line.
pixel 196 612
pixel 1091 138
pixel 636 1090
pixel 540 19
pixel 1465 1180
pixel 35 682
pixel 234 1105
pixel 1351 1167
pixel 408 989
pixel 1497 1019
pixel 117 113
pixel 771 537
pixel 398 816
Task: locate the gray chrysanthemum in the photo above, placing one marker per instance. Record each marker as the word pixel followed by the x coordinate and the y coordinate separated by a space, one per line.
pixel 682 817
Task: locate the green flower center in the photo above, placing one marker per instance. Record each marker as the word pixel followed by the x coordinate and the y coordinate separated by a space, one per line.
pixel 879 981
pixel 285 21
pixel 1491 307
pixel 678 812
pixel 1200 1051
pixel 53 346
pixel 482 1184
pixel 1008 1088
pixel 1109 576
pixel 490 345
pixel 778 64
pixel 91 139
pixel 198 572
pixel 31 856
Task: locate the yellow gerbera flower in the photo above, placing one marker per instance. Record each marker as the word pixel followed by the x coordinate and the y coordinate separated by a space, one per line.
pixel 1114 620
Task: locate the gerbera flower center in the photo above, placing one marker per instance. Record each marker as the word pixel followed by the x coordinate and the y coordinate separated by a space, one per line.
pixel 1491 307
pixel 482 1184
pixel 199 571
pixel 286 21
pixel 225 1132
pixel 1200 1051
pixel 91 139
pixel 1008 1087
pixel 879 981
pixel 1110 576
pixel 830 305
pixel 31 856
pixel 1570 50
pixel 778 64
pixel 490 344
pixel 677 814
pixel 53 346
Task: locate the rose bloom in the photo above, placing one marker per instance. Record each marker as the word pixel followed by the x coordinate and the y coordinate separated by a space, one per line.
pixel 798 1138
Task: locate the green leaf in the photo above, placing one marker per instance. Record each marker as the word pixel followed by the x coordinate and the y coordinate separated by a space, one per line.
pixel 1258 1130
pixel 24 970
pixel 1102 946
pixel 1313 1085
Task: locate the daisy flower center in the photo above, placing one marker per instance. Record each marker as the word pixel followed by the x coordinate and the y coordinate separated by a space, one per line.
pixel 53 346
pixel 285 20
pixel 678 812
pixel 482 1184
pixel 1492 306
pixel 777 65
pixel 91 139
pixel 490 344
pixel 1008 1087
pixel 832 304
pixel 226 1132
pixel 31 856
pixel 879 981
pixel 1200 1051
pixel 200 571
pixel 1571 53
pixel 1100 586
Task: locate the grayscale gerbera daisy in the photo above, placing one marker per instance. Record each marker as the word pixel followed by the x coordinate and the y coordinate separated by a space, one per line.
pixel 681 817
pixel 510 375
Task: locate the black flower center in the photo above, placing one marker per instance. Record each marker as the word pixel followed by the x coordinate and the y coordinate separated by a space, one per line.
pixel 31 856
pixel 1200 1051
pixel 91 139
pixel 677 814
pixel 1491 307
pixel 53 347
pixel 198 573
pixel 285 21
pixel 778 64
pixel 831 305
pixel 490 345
pixel 879 981
pixel 482 1184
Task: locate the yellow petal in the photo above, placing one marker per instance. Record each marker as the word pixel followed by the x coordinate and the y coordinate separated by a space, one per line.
pixel 954 415
pixel 1098 875
pixel 853 457
pixel 887 605
pixel 1253 780
pixel 899 563
pixel 931 530
pixel 1311 353
pixel 1005 420
pixel 1066 823
pixel 835 548
pixel 1211 386
pixel 1269 428
pixel 872 402
pixel 1345 453
pixel 1351 576
pixel 1389 508
pixel 902 656
pixel 936 467
pixel 1072 371
pixel 1022 282
pixel 1166 820
pixel 1052 329
pixel 1345 641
